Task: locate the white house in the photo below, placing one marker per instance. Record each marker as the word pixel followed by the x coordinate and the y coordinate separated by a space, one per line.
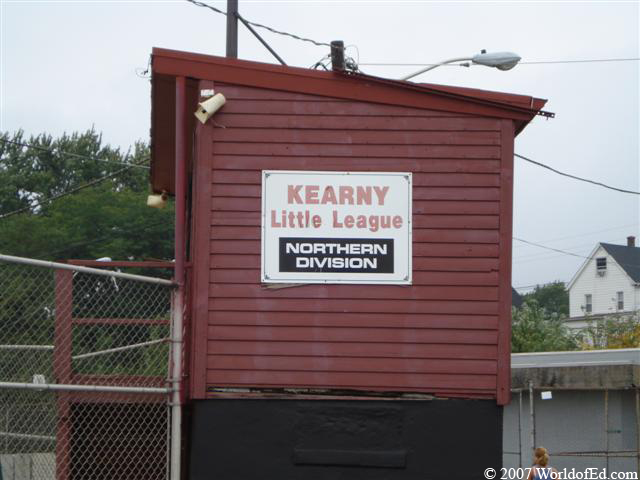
pixel 608 282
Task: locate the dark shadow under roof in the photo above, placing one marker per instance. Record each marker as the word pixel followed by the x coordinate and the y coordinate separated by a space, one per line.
pixel 627 257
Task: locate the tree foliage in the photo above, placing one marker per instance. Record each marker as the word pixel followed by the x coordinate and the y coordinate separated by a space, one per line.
pixel 553 297
pixel 107 219
pixel 616 331
pixel 534 329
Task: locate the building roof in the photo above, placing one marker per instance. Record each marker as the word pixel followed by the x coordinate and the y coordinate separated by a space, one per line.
pixel 627 257
pixel 516 298
pixel 169 64
pixel 591 370
pixel 621 356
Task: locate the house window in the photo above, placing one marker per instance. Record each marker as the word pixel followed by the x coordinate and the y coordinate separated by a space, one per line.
pixel 588 304
pixel 620 300
pixel 601 263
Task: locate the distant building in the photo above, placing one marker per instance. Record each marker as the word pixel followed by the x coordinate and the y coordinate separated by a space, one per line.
pixel 516 298
pixel 607 283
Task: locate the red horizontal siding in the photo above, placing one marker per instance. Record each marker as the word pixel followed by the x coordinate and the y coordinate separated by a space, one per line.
pixel 350 150
pixel 426 351
pixel 360 380
pixel 346 364
pixel 324 107
pixel 376 320
pixel 377 137
pixel 246 269
pixel 351 334
pixel 345 306
pixel 357 122
pixel 356 292
pixel 246 163
pixel 438 335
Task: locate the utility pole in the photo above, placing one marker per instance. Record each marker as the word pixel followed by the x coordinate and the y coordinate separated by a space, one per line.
pixel 232 29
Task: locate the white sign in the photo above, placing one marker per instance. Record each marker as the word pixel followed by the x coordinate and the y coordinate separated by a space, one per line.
pixel 336 227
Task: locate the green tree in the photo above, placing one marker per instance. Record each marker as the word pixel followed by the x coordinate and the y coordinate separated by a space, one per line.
pixel 553 297
pixel 534 329
pixel 616 331
pixel 108 219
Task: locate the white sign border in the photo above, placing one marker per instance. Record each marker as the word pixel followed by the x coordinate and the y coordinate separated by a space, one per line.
pixel 406 281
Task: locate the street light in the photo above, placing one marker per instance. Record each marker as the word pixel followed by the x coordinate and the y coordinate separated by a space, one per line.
pixel 499 60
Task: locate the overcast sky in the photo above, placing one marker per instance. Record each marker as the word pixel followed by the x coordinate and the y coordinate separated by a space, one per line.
pixel 68 65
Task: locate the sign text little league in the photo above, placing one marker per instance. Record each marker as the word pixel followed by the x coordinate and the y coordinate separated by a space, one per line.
pixel 336 227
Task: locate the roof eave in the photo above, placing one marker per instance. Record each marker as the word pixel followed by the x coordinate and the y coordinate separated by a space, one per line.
pixel 342 85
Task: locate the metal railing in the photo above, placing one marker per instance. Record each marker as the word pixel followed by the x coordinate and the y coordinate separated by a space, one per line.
pixel 86 377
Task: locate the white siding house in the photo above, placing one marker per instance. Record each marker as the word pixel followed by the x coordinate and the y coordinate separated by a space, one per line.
pixel 607 283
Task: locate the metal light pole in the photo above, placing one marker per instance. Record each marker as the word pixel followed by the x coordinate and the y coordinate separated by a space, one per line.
pixel 499 60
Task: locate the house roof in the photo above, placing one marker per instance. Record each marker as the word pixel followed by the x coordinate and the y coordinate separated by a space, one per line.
pixel 627 257
pixel 516 298
pixel 169 64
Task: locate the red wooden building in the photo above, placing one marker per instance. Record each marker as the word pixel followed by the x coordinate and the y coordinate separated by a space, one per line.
pixel 255 353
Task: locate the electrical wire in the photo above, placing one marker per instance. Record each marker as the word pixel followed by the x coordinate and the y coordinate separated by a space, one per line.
pixel 65 193
pixel 549 248
pixel 570 253
pixel 259 25
pixel 71 154
pixel 575 177
pixel 585 234
pixel 542 62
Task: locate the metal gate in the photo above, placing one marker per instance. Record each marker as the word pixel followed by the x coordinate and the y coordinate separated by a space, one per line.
pixel 85 372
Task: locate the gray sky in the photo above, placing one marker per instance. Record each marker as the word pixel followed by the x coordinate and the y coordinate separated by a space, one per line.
pixel 68 65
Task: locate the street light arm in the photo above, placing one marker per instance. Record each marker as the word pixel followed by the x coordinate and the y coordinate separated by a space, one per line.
pixel 451 60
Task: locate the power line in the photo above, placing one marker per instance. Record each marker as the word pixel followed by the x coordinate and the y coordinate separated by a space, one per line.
pixel 259 25
pixel 585 234
pixel 65 193
pixel 570 253
pixel 549 248
pixel 71 154
pixel 575 177
pixel 542 62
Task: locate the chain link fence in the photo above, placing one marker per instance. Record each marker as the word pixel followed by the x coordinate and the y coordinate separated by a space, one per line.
pixel 84 373
pixel 587 428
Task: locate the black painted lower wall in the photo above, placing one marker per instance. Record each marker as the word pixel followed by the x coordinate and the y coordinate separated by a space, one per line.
pixel 351 439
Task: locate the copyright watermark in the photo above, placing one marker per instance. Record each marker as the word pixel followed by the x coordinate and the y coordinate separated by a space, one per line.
pixel 564 474
pixel 490 473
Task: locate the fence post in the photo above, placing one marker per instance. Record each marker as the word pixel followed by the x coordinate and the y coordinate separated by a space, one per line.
pixel 533 417
pixel 520 429
pixel 606 428
pixel 638 426
pixel 63 334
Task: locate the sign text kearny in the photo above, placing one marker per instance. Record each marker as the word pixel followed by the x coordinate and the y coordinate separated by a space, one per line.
pixel 334 227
